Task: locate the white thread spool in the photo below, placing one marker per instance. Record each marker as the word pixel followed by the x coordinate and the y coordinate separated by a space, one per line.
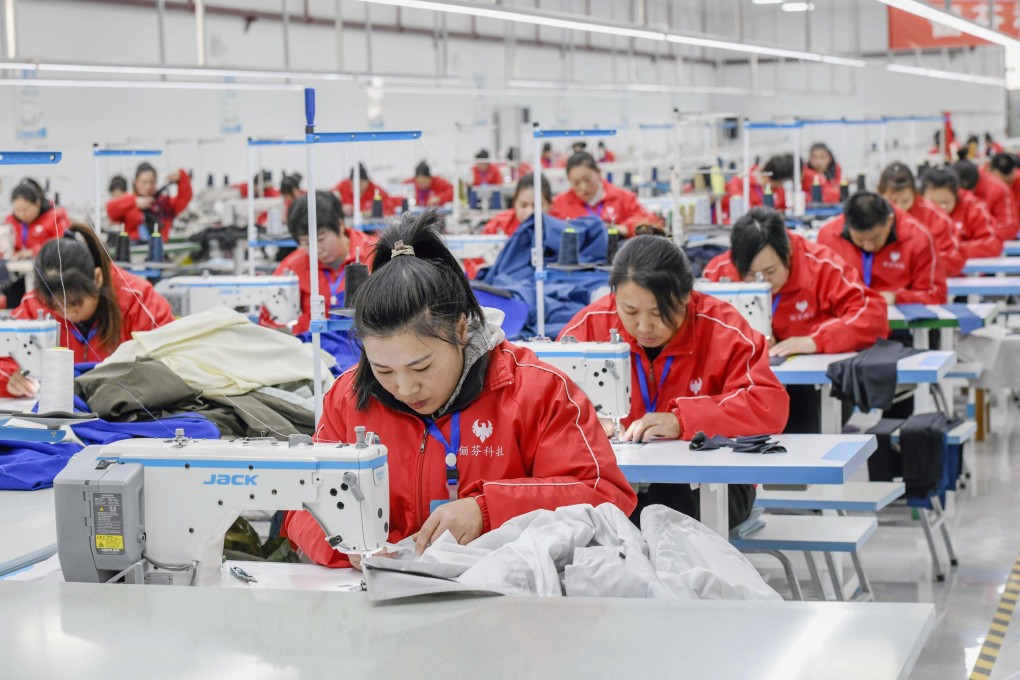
pixel 56 392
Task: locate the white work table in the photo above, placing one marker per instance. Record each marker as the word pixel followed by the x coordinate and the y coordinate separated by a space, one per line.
pixel 30 533
pixel 992 265
pixel 809 459
pixel 810 369
pixel 1011 248
pixel 174 632
pixel 984 286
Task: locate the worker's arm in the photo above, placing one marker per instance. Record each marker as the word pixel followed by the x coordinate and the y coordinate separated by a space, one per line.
pixel 859 314
pixel 183 198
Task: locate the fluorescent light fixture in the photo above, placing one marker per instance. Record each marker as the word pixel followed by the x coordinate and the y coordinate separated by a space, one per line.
pixel 766 2
pixel 149 84
pixel 767 51
pixel 625 88
pixel 799 7
pixel 936 15
pixel 946 75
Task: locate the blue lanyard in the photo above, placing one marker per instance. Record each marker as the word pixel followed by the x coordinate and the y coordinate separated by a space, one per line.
pixel 335 284
pixel 596 213
pixel 24 235
pixel 643 382
pixel 85 340
pixel 451 447
pixel 867 260
pixel 775 303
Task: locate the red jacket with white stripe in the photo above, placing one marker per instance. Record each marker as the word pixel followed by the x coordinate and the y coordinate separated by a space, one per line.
pixel 50 224
pixel 493 176
pixel 830 187
pixel 975 227
pixel 529 441
pixel 823 299
pixel 123 209
pixel 346 191
pixel 908 266
pixel 735 187
pixel 440 189
pixel 504 222
pixel 619 207
pixel 943 230
pixel 999 200
pixel 141 308
pixel 720 381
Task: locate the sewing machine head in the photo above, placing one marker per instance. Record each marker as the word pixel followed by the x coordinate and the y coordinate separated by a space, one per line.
pixel 279 295
pixel 600 369
pixel 155 511
pixel 24 341
pixel 752 300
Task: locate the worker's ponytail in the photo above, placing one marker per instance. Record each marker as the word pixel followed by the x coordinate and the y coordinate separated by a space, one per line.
pixel 65 272
pixel 416 285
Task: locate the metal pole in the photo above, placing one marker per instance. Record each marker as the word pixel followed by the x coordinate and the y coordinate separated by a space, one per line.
pixel 356 186
pixel 160 22
pixel 200 30
pixel 791 201
pixel 10 29
pixel 678 223
pixel 881 144
pixel 251 211
pixel 285 24
pixel 317 303
pixel 913 141
pixel 97 223
pixel 339 37
pixel 746 169
pixel 538 250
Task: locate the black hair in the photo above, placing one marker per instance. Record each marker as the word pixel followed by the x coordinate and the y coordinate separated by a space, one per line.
pixel 422 170
pixel 968 174
pixel 144 168
pixel 482 155
pixel 601 144
pixel 547 147
pixel 830 171
pixel 1003 163
pixel 659 266
pixel 66 266
pixel 265 177
pixel 512 155
pixel 291 184
pixel 426 292
pixel 118 183
pixel 528 182
pixel 941 178
pixel 754 231
pixel 329 214
pixel 779 168
pixel 896 177
pixel 579 146
pixel 362 173
pixel 582 159
pixel 866 210
pixel 973 139
pixel 30 191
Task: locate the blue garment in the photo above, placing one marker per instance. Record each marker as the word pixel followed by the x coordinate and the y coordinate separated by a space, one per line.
pixel 84 367
pixel 566 293
pixel 340 344
pixel 916 312
pixel 969 321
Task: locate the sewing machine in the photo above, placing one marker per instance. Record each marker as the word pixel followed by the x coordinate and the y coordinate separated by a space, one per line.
pixel 279 295
pixel 600 369
pixel 155 511
pixel 752 300
pixel 24 341
pixel 476 246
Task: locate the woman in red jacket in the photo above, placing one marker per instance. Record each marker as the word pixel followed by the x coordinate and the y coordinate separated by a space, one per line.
pixel 898 186
pixel 368 191
pixel 144 209
pixel 974 226
pixel 771 176
pixel 697 365
pixel 34 220
pixel 97 305
pixel 822 166
pixel 590 195
pixel 478 430
pixel 522 206
pixel 430 190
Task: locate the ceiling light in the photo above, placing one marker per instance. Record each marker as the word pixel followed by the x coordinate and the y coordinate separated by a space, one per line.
pixel 799 7
pixel 947 75
pixel 151 84
pixel 934 14
pixel 766 2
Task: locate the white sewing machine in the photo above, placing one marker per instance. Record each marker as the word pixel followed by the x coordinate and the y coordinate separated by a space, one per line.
pixel 600 369
pixel 752 300
pixel 155 511
pixel 471 246
pixel 24 341
pixel 279 295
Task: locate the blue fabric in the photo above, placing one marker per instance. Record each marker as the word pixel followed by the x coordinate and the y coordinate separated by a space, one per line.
pixel 566 293
pixel 515 311
pixel 340 344
pixel 969 321
pixel 84 367
pixel 915 312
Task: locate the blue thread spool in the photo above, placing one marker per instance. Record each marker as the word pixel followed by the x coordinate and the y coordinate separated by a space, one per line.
pixel 156 247
pixel 628 179
pixel 609 177
pixel 404 205
pixel 496 202
pixel 472 198
pixel 816 191
pixel 569 247
pixel 655 174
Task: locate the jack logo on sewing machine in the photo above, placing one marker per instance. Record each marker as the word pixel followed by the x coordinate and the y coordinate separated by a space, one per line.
pixel 235 480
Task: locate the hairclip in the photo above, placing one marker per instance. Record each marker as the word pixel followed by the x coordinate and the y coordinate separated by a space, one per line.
pixel 400 249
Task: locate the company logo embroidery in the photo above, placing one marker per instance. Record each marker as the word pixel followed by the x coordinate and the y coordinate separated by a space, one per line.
pixel 802 306
pixel 895 256
pixel 696 386
pixel 482 430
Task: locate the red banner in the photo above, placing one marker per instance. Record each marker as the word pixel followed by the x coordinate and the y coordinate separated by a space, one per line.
pixel 909 32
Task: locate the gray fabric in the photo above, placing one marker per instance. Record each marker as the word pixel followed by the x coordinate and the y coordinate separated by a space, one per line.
pixel 132 391
pixel 482 339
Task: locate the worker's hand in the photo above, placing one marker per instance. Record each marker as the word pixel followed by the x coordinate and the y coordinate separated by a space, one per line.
pixel 608 425
pixel 25 254
pixel 463 519
pixel 433 200
pixel 21 385
pixel 890 298
pixel 798 345
pixel 174 177
pixel 772 341
pixel 144 202
pixel 356 559
pixel 653 426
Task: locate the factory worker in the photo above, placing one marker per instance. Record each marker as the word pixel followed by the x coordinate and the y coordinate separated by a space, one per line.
pixel 995 195
pixel 478 430
pixel 96 305
pixel 338 246
pixel 893 252
pixel 605 155
pixel 697 366
pixel 898 186
pixel 822 166
pixel 972 224
pixel 290 190
pixel 147 206
pixel 263 183
pixel 771 176
pixel 118 186
pixel 590 195
pixel 1003 166
pixel 430 189
pixel 485 172
pixel 34 220
pixel 547 155
pixel 369 190
pixel 819 303
pixel 522 206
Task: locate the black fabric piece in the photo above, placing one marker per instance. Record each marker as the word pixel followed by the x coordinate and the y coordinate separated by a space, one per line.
pixel 226 237
pixel 700 256
pixel 759 443
pixel 885 464
pixel 682 498
pixel 474 382
pixel 805 410
pixel 868 379
pixel 923 447
pixel 653 352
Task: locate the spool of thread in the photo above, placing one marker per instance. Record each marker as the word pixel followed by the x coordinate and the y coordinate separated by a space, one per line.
pixel 226 181
pixel 816 190
pixel 56 390
pixel 210 181
pixel 612 245
pixel 609 177
pixel 377 208
pixel 472 198
pixel 122 252
pixel 405 205
pixel 628 179
pixel 354 275
pixel 156 247
pixel 496 201
pixel 655 174
pixel 844 191
pixel 861 185
pixel 736 208
pixel 569 247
